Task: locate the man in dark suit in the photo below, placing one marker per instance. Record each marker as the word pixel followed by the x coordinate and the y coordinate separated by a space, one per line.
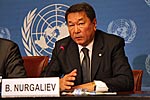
pixel 109 67
pixel 11 63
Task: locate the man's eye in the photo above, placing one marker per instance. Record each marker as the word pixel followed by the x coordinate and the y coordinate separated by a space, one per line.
pixel 81 23
pixel 71 25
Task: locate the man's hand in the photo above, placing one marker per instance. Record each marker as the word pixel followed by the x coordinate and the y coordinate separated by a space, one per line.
pixel 67 81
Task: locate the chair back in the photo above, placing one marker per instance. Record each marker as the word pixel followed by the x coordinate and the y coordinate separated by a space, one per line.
pixel 137 74
pixel 34 65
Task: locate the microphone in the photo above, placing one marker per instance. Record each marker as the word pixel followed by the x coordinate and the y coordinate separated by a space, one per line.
pixel 61 48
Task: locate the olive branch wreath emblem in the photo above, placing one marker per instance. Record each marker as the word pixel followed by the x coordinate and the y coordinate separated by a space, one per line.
pixel 26 33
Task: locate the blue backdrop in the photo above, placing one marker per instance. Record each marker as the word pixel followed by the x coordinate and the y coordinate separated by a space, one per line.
pixel 35 25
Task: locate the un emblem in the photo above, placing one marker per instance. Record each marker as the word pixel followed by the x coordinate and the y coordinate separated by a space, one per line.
pixel 41 30
pixel 147 2
pixel 4 33
pixel 147 64
pixel 123 28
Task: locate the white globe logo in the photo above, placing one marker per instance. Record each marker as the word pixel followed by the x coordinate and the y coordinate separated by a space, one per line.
pixel 123 28
pixel 47 26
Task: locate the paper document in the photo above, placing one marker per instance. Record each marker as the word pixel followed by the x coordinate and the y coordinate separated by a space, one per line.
pixel 82 92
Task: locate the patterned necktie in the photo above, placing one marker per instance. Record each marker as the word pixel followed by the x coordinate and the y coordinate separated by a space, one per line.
pixel 86 66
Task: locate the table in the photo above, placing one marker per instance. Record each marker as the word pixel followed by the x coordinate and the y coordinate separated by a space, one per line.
pixel 138 95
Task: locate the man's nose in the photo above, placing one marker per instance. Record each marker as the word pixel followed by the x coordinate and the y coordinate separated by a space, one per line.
pixel 77 29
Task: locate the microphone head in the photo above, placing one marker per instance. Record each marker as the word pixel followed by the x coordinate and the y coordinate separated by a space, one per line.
pixel 62 47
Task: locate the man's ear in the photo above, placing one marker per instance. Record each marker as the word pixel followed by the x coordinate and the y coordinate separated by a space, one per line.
pixel 94 23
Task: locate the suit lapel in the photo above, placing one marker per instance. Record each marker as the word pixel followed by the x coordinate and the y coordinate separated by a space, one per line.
pixel 74 60
pixel 73 55
pixel 97 53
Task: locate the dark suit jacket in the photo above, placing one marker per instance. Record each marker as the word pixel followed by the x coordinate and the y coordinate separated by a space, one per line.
pixel 112 67
pixel 11 63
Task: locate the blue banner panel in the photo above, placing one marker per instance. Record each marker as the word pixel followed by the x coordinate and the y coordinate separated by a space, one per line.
pixel 35 25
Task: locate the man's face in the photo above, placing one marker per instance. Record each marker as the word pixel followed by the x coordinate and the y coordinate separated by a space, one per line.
pixel 80 27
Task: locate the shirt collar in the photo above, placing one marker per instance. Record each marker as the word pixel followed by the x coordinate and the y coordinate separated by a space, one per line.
pixel 89 46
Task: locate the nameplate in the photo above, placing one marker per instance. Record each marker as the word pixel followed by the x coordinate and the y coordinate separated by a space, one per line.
pixel 30 87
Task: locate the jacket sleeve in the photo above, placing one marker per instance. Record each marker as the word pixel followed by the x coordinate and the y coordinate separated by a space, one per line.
pixel 53 67
pixel 14 63
pixel 122 79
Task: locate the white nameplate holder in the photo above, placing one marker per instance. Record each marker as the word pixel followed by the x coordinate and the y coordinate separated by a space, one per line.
pixel 30 87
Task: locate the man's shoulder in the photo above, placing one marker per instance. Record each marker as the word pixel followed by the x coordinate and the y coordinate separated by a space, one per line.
pixel 64 40
pixel 106 35
pixel 6 42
